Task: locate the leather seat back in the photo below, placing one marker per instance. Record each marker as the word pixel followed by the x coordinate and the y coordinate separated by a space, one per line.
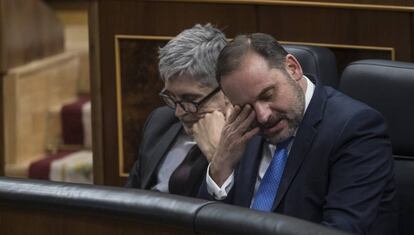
pixel 318 62
pixel 388 86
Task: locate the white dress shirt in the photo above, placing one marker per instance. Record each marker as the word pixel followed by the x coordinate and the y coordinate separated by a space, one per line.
pixel 220 193
pixel 173 159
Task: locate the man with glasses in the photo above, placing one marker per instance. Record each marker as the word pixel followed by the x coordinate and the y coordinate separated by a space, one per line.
pixel 171 159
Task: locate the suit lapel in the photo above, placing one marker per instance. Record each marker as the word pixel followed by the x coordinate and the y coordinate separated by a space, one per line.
pixel 302 141
pixel 249 166
pixel 165 142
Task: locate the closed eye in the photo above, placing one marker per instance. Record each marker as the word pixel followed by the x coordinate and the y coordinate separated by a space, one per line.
pixel 267 94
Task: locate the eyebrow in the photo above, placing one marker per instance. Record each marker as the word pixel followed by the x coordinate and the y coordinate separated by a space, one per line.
pixel 185 96
pixel 262 93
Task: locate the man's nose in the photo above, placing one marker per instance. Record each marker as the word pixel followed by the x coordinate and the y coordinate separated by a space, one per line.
pixel 179 111
pixel 262 112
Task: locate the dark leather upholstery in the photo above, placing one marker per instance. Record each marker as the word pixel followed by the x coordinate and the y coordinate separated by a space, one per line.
pixel 239 220
pixel 139 204
pixel 188 213
pixel 319 62
pixel 388 87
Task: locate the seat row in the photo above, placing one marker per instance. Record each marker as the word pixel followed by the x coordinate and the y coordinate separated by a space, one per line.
pixel 57 208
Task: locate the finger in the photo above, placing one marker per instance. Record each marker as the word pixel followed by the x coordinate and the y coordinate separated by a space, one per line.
pixel 254 123
pixel 249 122
pixel 248 135
pixel 219 114
pixel 244 114
pixel 211 117
pixel 229 111
pixel 207 115
pixel 218 118
pixel 234 113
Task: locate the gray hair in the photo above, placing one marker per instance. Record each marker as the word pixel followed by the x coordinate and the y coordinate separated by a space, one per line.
pixel 193 52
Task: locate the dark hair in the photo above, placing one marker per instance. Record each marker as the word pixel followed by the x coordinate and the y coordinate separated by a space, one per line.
pixel 263 44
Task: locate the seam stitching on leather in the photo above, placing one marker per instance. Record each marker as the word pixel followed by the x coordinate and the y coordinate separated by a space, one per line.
pixel 196 214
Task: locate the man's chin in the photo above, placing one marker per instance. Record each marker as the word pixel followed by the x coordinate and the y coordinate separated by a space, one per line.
pixel 277 138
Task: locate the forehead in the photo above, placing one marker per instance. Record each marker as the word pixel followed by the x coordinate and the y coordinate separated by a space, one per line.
pixel 184 84
pixel 244 85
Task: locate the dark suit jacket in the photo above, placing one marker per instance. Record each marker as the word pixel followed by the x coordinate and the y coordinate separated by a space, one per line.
pixel 160 131
pixel 339 170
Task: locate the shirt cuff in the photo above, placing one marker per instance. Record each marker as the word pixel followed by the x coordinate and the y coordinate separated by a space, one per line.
pixel 219 193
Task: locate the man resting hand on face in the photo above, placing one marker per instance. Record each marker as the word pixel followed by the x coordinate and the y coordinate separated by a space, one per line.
pixel 170 158
pixel 295 147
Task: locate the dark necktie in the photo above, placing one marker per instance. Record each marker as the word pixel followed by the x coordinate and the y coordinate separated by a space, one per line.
pixel 269 185
pixel 186 179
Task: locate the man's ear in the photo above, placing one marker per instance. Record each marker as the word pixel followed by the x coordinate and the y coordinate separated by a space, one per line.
pixel 293 67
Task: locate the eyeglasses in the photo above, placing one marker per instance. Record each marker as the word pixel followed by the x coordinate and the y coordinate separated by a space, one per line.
pixel 187 106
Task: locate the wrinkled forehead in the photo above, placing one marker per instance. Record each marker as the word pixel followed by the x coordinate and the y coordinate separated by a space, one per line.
pixel 185 85
pixel 246 82
pixel 244 91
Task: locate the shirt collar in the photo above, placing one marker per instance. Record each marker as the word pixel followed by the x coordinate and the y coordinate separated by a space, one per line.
pixel 310 89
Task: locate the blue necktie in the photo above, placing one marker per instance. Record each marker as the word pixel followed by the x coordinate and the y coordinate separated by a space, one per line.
pixel 269 185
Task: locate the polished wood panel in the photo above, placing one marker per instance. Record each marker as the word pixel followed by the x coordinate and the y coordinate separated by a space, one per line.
pixel 2 128
pixel 355 4
pixel 355 32
pixel 137 95
pixel 341 27
pixel 345 56
pixel 412 36
pixel 338 27
pixel 96 93
pixel 37 221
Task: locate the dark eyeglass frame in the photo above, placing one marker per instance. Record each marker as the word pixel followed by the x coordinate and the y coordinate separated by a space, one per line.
pixel 170 102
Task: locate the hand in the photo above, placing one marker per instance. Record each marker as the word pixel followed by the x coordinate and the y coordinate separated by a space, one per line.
pixel 207 133
pixel 234 136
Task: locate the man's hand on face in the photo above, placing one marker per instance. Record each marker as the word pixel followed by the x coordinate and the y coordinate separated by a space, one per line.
pixel 236 132
pixel 207 132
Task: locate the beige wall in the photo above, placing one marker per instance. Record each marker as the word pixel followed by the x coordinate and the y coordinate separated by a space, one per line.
pixel 33 95
pixel 75 22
